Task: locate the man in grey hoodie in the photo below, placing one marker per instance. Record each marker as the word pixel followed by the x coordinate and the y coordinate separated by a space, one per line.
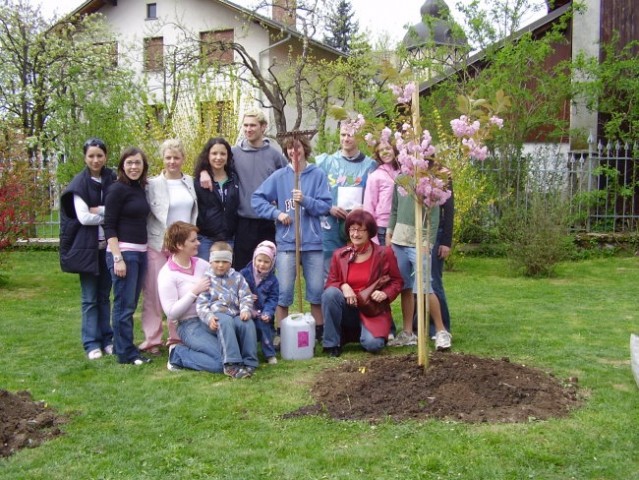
pixel 254 159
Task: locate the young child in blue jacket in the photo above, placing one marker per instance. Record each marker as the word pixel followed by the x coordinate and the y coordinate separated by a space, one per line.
pixel 265 289
pixel 275 200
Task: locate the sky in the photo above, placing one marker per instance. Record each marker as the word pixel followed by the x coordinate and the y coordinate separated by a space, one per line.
pixel 376 16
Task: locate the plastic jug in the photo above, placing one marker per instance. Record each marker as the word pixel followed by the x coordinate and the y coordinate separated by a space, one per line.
pixel 297 336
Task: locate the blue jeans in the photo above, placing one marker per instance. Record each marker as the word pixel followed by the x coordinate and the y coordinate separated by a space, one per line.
pixel 381 236
pixel 238 340
pixel 200 348
pixel 126 293
pixel 312 265
pixel 407 263
pixel 338 316
pixel 437 282
pixel 96 307
pixel 265 334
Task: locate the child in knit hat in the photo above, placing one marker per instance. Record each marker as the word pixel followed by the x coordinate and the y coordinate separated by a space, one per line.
pixel 266 290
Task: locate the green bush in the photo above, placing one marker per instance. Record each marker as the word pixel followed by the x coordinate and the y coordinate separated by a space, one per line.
pixel 536 234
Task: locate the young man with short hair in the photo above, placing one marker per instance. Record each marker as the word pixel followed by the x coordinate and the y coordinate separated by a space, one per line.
pixel 347 170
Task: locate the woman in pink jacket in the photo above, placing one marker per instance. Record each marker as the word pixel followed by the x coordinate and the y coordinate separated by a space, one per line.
pixel 378 195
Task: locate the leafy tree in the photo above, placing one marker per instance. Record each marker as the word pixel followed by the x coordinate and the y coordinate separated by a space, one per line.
pixel 611 87
pixel 59 87
pixel 489 22
pixel 341 26
pixel 22 190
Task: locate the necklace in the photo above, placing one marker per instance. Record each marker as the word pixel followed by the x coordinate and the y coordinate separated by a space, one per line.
pixel 175 260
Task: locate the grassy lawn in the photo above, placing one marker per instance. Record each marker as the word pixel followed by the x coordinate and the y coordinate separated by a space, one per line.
pixel 129 422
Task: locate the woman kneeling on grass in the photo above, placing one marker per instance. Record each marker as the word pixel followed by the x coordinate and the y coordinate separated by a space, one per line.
pixel 354 268
pixel 180 282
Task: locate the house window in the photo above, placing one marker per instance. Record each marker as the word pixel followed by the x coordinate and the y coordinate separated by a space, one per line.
pixel 153 54
pixel 217 117
pixel 151 11
pixel 215 47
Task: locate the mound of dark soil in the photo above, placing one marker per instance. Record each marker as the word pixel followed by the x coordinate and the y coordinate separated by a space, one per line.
pixel 25 423
pixel 455 387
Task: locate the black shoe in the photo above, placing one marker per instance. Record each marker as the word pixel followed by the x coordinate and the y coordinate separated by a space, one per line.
pixel 319 333
pixel 140 360
pixel 333 351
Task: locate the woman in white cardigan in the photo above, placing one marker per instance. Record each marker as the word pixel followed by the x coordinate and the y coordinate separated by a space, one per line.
pixel 171 196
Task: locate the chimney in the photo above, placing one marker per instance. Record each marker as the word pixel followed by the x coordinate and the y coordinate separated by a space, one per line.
pixel 284 12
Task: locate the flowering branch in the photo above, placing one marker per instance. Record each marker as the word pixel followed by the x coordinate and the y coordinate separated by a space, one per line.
pixel 417 153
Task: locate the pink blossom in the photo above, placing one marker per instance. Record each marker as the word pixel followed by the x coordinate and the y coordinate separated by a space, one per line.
pixel 405 94
pixel 463 128
pixel 370 141
pixel 397 90
pixel 475 150
pixel 499 122
pixel 352 126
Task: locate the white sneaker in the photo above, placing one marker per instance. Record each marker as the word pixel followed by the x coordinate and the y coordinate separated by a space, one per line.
pixel 108 350
pixel 271 361
pixel 94 354
pixel 171 366
pixel 443 340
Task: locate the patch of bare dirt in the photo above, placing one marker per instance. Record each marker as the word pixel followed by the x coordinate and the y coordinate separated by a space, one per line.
pixel 25 423
pixel 455 387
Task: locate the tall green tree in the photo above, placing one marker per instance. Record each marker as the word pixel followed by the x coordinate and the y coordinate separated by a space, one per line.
pixel 58 84
pixel 341 26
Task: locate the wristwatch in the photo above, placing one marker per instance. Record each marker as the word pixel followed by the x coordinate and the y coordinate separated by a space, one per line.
pixel 117 258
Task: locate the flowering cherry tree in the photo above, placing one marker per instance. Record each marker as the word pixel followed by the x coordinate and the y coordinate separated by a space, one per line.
pixel 426 168
pixel 417 153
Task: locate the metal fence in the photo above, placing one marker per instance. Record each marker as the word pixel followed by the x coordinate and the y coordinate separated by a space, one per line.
pixel 612 178
pixel 599 185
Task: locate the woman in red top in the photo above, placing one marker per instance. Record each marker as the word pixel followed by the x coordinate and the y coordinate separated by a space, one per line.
pixel 353 268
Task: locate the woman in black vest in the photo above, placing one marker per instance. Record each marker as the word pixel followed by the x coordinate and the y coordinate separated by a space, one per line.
pixel 83 246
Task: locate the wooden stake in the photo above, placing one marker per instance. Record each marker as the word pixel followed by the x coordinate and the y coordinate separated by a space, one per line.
pixel 422 307
pixel 298 239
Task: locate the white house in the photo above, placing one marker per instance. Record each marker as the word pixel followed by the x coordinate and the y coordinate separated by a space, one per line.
pixel 154 37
